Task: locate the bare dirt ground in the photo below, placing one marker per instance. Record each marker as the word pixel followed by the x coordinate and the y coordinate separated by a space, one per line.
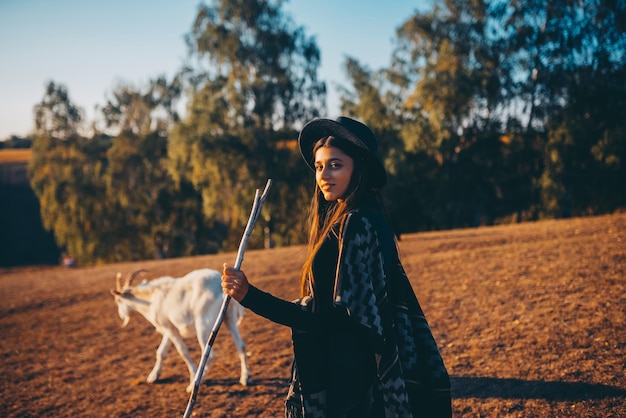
pixel 530 319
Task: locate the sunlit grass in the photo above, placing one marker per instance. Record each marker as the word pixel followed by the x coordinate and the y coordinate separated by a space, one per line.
pixel 15 155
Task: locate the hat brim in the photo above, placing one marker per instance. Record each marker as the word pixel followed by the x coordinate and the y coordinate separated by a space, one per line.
pixel 320 128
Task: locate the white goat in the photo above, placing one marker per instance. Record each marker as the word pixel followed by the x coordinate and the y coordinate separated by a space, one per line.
pixel 181 308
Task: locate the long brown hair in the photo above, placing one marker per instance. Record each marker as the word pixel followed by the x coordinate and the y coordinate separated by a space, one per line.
pixel 324 214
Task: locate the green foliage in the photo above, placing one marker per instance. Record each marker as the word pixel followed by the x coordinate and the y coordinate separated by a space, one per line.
pixel 130 109
pixel 66 179
pixel 64 174
pixel 464 76
pixel 259 80
pixel 266 66
pixel 134 179
pixel 111 198
pixel 56 116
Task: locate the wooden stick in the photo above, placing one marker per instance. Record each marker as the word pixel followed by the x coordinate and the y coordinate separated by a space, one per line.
pixel 254 214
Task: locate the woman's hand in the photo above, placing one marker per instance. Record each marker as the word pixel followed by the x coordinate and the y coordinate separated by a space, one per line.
pixel 234 283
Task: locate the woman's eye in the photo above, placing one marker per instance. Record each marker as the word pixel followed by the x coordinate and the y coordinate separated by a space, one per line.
pixel 332 166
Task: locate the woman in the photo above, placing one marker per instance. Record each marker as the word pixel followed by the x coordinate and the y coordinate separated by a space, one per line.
pixel 362 347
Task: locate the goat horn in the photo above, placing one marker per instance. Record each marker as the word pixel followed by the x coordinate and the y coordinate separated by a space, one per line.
pixel 118 281
pixel 133 275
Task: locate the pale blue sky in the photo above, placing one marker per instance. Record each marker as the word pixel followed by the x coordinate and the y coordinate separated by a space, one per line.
pixel 90 45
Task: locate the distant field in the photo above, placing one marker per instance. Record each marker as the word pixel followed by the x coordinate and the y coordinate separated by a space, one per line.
pixel 530 319
pixel 15 155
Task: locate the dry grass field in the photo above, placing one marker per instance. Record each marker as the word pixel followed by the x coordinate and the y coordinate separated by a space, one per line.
pixel 530 318
pixel 15 155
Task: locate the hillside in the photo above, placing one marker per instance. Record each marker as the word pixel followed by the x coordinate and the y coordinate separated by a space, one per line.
pixel 529 318
pixel 23 240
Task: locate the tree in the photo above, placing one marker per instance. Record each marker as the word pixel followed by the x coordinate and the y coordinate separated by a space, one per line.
pixel 131 110
pixel 65 174
pixel 450 75
pixel 56 116
pixel 153 217
pixel 453 75
pixel 539 76
pixel 256 79
pixel 572 63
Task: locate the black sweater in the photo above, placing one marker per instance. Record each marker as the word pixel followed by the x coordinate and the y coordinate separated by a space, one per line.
pixel 325 317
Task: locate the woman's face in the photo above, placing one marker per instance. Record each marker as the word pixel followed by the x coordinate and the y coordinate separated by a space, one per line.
pixel 333 171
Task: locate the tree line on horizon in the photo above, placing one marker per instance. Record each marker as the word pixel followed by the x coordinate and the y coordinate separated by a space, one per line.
pixel 489 112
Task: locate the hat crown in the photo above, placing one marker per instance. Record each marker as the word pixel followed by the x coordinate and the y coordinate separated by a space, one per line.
pixel 361 131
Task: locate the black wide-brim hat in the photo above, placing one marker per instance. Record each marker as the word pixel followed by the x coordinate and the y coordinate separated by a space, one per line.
pixel 348 129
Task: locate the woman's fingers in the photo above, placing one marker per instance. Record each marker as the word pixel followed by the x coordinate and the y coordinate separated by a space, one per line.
pixel 234 283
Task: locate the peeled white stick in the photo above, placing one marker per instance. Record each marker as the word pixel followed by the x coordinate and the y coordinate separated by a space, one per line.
pixel 254 214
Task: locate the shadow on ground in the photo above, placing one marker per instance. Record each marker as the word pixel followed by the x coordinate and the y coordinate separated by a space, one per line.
pixel 491 387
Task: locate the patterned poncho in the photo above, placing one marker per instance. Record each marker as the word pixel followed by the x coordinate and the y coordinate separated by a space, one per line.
pixel 372 287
